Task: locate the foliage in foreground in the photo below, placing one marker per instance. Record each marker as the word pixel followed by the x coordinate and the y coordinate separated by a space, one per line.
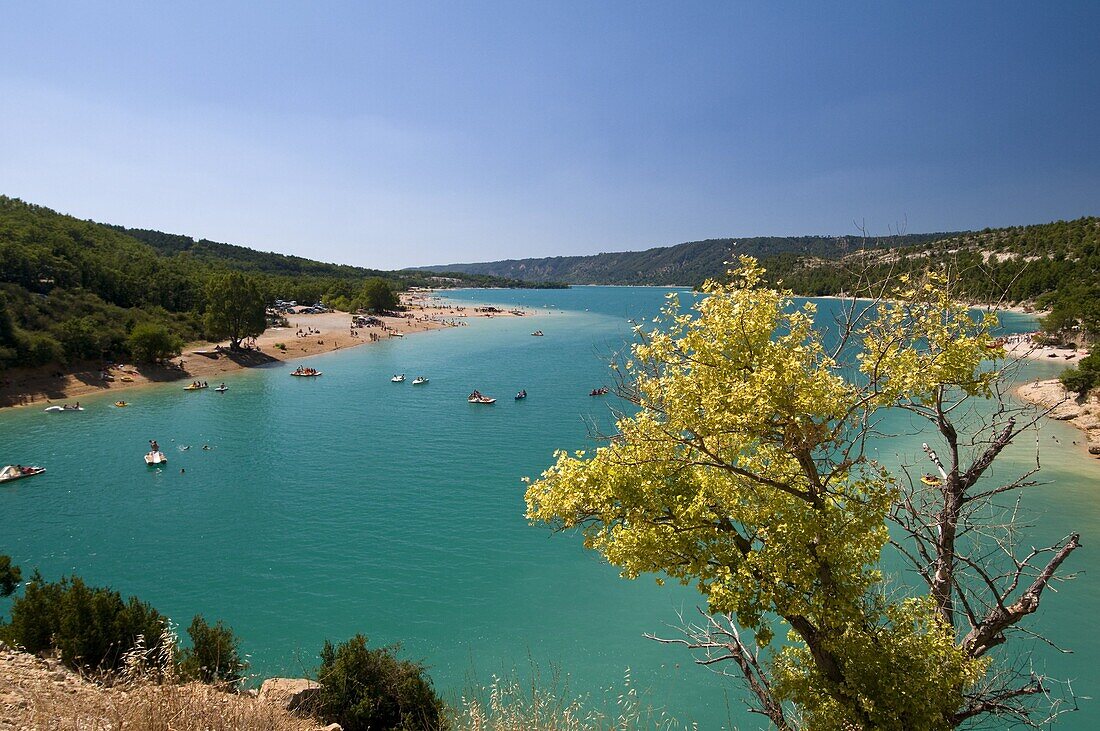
pixel 96 631
pixel 93 628
pixel 743 473
pixel 363 689
pixel 214 656
pixel 10 576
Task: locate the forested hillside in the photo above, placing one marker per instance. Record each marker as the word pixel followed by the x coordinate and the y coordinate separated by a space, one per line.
pixel 1053 266
pixel 686 264
pixel 73 290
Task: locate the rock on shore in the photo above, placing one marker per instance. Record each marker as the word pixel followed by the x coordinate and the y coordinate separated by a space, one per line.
pixel 1067 406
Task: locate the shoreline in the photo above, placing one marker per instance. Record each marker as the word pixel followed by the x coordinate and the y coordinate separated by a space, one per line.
pixel 307 336
pixel 1019 309
pixel 1022 346
pixel 1063 405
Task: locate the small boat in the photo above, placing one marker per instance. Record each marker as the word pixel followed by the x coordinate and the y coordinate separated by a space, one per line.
pixel 521 395
pixel 930 480
pixel 398 379
pixel 477 397
pixel 60 409
pixel 419 381
pixel 195 387
pixel 601 391
pixel 11 473
pixel 121 404
pixel 156 459
pixel 305 373
pixel 222 388
pixel 537 333
pixel 397 334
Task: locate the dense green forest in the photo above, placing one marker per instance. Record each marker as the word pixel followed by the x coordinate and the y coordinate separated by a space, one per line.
pixel 73 290
pixel 688 264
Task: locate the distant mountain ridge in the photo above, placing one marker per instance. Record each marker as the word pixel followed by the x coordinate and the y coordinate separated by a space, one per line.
pixel 687 264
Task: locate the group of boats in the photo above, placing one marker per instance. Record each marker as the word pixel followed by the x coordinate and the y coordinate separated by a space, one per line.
pixel 200 385
pixel 400 378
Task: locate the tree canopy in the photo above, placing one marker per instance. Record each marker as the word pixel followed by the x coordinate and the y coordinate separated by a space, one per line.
pixel 743 473
pixel 235 308
pixel 152 342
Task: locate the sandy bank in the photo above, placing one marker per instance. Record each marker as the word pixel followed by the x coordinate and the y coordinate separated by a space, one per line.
pixel 306 336
pixel 1083 414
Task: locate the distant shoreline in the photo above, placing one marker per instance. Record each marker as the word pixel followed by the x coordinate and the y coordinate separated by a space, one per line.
pixel 206 361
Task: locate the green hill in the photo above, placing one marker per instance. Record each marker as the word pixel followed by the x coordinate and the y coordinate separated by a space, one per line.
pixel 73 290
pixel 686 264
pixel 1051 266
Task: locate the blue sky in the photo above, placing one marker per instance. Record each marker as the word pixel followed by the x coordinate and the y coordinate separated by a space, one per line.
pixel 407 133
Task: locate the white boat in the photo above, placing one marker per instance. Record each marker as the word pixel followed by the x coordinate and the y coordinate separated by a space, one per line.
pixel 479 398
pixel 222 388
pixel 419 380
pixel 398 379
pixel 537 333
pixel 154 459
pixel 11 473
pixel 60 409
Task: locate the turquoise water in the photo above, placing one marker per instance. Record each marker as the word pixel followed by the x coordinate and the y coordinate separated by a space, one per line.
pixel 347 504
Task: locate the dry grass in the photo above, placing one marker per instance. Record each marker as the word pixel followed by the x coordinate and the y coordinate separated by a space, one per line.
pixel 41 694
pixel 546 704
pixel 192 707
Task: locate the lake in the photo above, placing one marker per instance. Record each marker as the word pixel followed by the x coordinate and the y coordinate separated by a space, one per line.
pixel 343 504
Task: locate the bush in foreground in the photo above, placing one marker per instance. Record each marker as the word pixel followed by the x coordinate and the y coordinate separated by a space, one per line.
pixel 214 655
pixel 365 689
pixel 93 628
pixel 10 576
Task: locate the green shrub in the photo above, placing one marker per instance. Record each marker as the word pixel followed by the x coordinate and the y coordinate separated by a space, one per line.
pixel 365 689
pixel 1085 377
pixel 151 342
pixel 214 655
pixel 93 628
pixel 10 576
pixel 39 349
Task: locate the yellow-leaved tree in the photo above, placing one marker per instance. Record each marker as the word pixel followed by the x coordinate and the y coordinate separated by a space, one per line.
pixel 743 471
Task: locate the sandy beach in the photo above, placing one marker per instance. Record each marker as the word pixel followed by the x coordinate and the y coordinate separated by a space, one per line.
pixel 307 335
pixel 1022 346
pixel 1081 413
